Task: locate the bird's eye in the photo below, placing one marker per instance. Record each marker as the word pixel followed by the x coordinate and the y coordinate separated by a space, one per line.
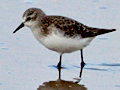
pixel 28 19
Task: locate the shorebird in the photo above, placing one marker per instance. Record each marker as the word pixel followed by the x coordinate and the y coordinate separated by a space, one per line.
pixel 58 33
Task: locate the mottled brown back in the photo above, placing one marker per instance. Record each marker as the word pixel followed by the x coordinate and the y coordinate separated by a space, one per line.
pixel 72 27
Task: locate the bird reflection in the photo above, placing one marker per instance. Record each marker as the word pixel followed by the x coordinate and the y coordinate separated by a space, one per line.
pixel 60 84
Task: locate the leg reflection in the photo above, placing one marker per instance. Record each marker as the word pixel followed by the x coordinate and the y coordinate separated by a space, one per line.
pixel 80 75
pixel 59 71
pixel 81 69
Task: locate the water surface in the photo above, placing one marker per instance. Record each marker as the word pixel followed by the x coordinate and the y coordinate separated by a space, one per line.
pixel 27 65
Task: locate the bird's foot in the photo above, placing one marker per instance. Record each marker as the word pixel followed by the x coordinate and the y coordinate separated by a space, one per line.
pixel 82 64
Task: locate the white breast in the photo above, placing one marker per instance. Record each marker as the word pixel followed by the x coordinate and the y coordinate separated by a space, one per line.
pixel 65 44
pixel 60 43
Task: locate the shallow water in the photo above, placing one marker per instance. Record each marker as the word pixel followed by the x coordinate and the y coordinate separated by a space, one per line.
pixel 27 65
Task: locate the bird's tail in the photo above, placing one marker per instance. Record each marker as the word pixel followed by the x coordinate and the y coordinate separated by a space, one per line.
pixel 103 31
pixel 91 32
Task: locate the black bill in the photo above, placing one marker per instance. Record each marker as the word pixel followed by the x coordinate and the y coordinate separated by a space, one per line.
pixel 19 27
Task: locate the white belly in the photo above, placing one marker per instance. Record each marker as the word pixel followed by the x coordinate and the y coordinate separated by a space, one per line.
pixel 62 44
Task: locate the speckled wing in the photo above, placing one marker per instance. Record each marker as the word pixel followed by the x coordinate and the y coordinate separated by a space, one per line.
pixel 72 27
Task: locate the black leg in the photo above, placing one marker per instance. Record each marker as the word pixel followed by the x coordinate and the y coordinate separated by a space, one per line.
pixel 82 61
pixel 59 64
